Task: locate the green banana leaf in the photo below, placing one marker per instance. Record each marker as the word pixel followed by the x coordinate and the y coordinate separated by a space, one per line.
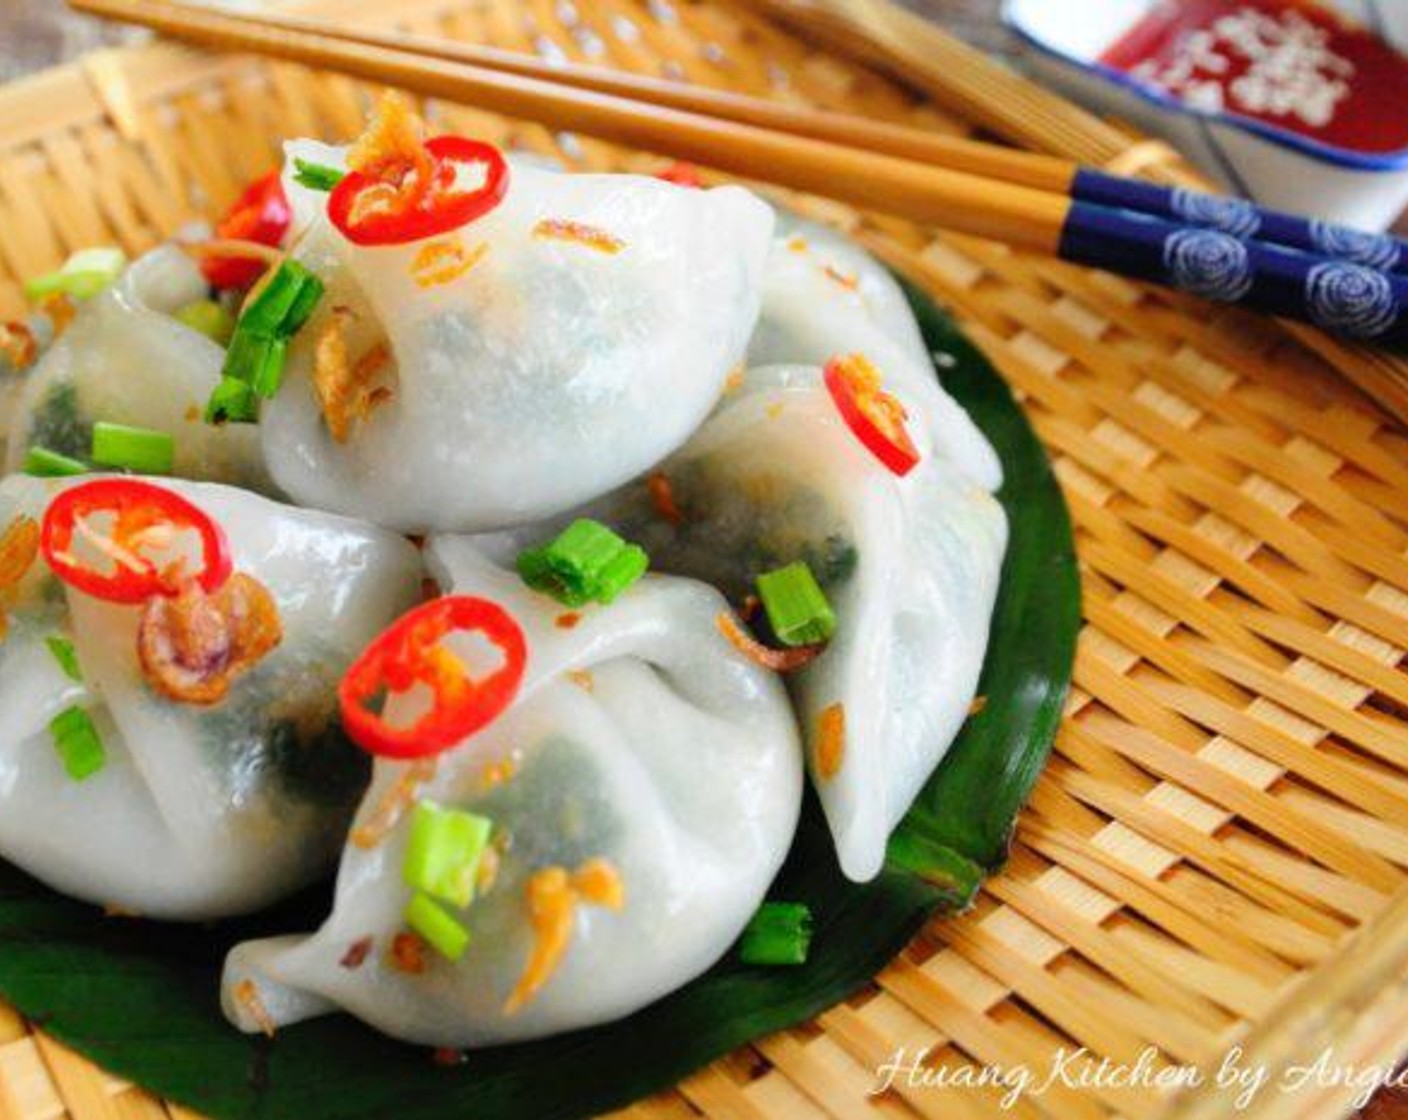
pixel 141 998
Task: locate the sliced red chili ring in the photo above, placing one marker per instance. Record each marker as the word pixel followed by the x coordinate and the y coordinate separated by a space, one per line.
pixel 261 214
pixel 137 508
pixel 392 204
pixel 875 416
pixel 682 175
pixel 411 652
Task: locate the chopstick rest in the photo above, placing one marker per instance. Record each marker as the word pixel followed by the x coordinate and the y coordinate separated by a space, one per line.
pixel 1242 219
pixel 1350 299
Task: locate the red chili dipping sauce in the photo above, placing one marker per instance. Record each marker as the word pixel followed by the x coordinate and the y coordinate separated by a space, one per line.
pixel 1289 63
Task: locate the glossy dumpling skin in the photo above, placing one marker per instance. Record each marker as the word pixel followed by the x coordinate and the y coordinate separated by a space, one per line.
pixel 200 812
pixel 824 296
pixel 910 566
pixel 678 762
pixel 546 374
pixel 126 360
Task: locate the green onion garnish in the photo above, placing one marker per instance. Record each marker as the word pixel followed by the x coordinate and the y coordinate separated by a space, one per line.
pixel 43 463
pixel 260 343
pixel 83 275
pixel 283 304
pixel 232 402
pixel 210 319
pixel 780 933
pixel 66 656
pixel 316 176
pixel 257 360
pixel 587 562
pixel 444 850
pixel 441 931
pixel 797 607
pixel 77 741
pixel 134 449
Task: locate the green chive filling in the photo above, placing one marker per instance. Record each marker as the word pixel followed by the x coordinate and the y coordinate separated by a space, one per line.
pixel 66 656
pixel 797 608
pixel 83 275
pixel 78 743
pixel 43 463
pixel 779 934
pixel 134 449
pixel 444 851
pixel 445 935
pixel 586 563
pixel 316 176
pixel 210 319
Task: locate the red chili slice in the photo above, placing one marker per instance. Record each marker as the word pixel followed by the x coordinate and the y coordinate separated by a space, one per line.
pixel 876 417
pixel 411 652
pixel 142 514
pixel 261 214
pixel 393 203
pixel 682 175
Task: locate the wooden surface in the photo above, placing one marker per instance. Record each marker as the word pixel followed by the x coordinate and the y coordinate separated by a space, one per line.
pixel 1200 812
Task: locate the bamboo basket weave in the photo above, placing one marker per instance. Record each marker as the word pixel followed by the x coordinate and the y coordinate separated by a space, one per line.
pixel 1217 853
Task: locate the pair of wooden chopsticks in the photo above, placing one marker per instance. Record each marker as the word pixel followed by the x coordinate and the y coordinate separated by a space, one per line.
pixel 1032 201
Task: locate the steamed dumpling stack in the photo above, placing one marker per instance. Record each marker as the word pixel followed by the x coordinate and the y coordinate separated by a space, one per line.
pixel 580 794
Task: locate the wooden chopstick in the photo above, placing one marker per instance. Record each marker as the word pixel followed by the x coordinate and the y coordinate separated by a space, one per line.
pixel 957 200
pixel 1011 165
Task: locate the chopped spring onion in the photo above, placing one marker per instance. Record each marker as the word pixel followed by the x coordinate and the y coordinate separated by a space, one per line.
pixel 797 607
pixel 283 305
pixel 260 343
pixel 210 319
pixel 43 463
pixel 586 562
pixel 232 402
pixel 441 931
pixel 780 933
pixel 257 360
pixel 78 743
pixel 66 656
pixel 316 176
pixel 83 275
pixel 444 851
pixel 135 449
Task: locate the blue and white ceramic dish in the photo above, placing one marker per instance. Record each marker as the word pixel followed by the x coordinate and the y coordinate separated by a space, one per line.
pixel 1064 40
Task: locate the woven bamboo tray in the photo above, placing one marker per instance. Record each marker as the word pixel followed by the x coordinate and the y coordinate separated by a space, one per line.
pixel 1217 853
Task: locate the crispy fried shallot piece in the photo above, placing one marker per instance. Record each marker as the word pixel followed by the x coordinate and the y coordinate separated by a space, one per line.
pixel 830 741
pixel 19 547
pixel 392 149
pixel 194 645
pixel 560 229
pixel 347 392
pixel 18 345
pixel 778 660
pixel 553 895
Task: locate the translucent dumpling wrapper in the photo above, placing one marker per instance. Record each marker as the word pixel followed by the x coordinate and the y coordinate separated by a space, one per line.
pixel 824 296
pixel 126 359
pixel 909 564
pixel 199 812
pixel 530 367
pixel 639 739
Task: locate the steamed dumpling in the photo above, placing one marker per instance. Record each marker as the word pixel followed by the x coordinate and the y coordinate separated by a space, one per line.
pixel 823 295
pixel 199 812
pixel 639 742
pixel 126 360
pixel 548 372
pixel 910 566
